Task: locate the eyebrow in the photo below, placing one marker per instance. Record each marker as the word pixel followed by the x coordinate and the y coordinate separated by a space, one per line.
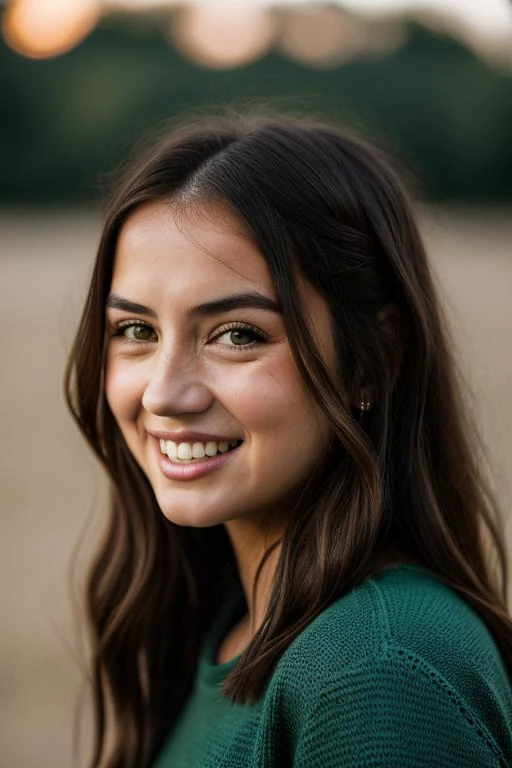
pixel 117 302
pixel 252 300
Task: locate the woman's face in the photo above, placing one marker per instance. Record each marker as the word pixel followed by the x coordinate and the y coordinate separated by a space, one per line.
pixel 199 374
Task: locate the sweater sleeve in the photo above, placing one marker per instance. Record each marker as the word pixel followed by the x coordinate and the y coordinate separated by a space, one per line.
pixel 398 713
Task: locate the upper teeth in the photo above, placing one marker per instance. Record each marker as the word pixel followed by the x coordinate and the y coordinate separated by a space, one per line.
pixel 188 451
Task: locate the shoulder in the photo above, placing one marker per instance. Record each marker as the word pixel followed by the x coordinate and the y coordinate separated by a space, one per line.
pixel 400 654
pixel 401 608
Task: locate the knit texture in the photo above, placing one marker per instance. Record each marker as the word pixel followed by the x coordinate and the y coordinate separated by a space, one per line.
pixel 401 672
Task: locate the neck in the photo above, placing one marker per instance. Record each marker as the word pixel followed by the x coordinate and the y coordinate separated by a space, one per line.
pixel 250 543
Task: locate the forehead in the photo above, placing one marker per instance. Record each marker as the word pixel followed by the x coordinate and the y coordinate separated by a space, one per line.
pixel 188 247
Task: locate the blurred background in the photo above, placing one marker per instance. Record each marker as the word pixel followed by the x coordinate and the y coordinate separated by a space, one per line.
pixel 81 82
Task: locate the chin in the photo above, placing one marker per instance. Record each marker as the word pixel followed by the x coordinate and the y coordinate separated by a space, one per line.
pixel 192 517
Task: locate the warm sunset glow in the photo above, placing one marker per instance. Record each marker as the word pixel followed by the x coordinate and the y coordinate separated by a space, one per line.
pixel 223 35
pixel 41 29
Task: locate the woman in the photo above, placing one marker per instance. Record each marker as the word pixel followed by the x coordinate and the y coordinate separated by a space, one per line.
pixel 302 566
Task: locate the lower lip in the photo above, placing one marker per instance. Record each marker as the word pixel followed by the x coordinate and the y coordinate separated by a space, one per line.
pixel 194 470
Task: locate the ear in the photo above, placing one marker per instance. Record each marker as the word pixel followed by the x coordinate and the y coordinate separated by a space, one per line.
pixel 390 325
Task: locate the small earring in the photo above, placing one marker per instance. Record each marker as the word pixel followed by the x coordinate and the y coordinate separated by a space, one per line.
pixel 365 406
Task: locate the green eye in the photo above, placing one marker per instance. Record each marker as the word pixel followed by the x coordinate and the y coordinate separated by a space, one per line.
pixel 138 332
pixel 241 337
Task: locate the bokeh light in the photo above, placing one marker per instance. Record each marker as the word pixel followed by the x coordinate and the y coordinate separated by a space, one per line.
pixel 322 37
pixel 42 29
pixel 223 35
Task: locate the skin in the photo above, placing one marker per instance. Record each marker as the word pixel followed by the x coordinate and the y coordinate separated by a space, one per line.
pixel 171 369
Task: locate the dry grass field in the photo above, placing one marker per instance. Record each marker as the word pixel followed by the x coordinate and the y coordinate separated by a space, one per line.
pixel 50 485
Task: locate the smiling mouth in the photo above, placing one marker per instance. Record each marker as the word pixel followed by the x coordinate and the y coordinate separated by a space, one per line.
pixel 185 453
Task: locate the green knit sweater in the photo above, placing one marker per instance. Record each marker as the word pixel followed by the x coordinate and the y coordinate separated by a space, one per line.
pixel 399 673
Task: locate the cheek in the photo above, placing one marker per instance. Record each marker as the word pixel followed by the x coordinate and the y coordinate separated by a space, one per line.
pixel 270 399
pixel 300 423
pixel 123 390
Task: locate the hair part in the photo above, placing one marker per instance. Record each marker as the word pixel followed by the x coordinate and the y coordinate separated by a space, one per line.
pixel 402 480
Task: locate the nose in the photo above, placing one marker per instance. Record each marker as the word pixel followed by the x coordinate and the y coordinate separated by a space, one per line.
pixel 175 387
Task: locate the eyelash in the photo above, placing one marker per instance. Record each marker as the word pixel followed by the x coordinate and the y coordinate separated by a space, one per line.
pixel 258 336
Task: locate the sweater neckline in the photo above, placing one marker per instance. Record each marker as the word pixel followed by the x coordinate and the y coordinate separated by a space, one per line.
pixel 210 672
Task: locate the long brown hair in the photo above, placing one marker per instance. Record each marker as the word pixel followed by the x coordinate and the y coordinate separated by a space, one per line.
pixel 402 478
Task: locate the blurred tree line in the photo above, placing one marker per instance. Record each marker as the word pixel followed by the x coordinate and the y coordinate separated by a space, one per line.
pixel 65 122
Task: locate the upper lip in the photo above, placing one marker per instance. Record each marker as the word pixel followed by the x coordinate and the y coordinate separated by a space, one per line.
pixel 190 437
